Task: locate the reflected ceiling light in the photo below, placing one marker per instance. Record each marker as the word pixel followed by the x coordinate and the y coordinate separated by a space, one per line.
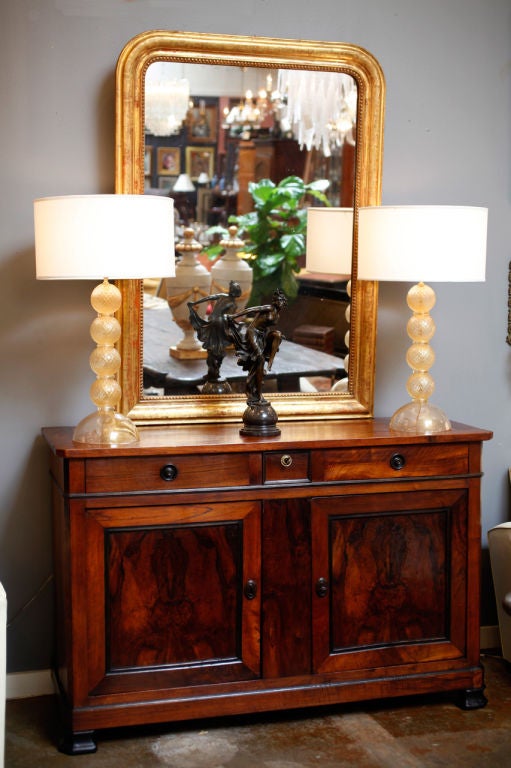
pixel 166 106
pixel 319 108
pixel 251 110
pixel 248 113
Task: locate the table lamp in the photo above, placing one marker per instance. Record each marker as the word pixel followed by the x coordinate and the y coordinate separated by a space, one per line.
pixel 417 243
pixel 86 237
pixel 329 249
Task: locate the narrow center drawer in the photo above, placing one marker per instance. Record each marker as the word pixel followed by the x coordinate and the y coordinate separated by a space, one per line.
pixel 395 461
pixel 165 473
pixel 285 466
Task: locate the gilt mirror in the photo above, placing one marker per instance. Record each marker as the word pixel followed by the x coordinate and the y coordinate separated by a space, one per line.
pixel 214 145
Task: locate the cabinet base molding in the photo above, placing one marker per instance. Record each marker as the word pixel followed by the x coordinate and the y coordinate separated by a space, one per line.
pixel 79 740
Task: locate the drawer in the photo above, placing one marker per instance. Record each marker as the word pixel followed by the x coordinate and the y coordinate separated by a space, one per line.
pixel 166 473
pixel 391 462
pixel 286 466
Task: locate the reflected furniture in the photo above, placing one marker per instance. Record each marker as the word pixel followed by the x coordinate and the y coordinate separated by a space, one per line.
pixel 185 377
pixel 200 573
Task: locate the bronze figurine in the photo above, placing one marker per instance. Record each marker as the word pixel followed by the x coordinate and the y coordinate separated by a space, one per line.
pixel 256 343
pixel 214 334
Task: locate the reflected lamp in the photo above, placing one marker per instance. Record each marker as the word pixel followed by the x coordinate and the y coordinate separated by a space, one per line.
pixel 97 237
pixel 183 184
pixel 417 244
pixel 329 243
pixel 329 249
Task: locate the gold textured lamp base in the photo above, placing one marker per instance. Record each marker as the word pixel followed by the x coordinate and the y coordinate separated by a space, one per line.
pixel 420 416
pixel 105 426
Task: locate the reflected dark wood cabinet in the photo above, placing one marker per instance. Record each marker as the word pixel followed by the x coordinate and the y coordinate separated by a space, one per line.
pixel 199 573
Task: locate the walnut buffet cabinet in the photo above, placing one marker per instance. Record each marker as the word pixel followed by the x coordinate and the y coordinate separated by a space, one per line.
pixel 201 573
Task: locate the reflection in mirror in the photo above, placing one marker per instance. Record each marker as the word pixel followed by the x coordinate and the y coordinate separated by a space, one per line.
pixel 214 163
pixel 215 137
pixel 330 252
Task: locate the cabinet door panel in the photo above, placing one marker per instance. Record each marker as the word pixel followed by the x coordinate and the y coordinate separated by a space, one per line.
pixel 393 586
pixel 286 588
pixel 173 594
pixel 173 597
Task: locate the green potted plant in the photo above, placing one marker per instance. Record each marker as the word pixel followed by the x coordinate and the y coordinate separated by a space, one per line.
pixel 274 233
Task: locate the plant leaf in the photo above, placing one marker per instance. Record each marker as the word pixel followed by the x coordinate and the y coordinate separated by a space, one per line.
pixel 288 282
pixel 293 245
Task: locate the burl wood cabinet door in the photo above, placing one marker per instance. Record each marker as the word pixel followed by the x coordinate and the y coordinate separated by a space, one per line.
pixel 389 579
pixel 173 595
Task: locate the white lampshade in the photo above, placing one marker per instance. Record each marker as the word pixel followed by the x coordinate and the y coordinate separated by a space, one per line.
pixel 329 240
pixel 183 184
pixel 82 237
pixel 429 243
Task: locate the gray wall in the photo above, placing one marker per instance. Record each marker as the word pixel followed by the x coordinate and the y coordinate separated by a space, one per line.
pixel 447 140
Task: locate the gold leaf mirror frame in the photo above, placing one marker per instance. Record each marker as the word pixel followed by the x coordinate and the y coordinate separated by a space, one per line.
pixel 241 51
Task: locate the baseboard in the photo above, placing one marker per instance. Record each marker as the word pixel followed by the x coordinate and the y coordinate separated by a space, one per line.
pixel 490 637
pixel 23 685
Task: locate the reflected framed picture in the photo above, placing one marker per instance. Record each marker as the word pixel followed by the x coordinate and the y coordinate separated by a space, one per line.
pixel 202 124
pixel 166 182
pixel 148 161
pixel 169 161
pixel 200 160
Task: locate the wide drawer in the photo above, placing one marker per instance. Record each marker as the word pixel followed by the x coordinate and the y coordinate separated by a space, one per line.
pixel 396 461
pixel 165 473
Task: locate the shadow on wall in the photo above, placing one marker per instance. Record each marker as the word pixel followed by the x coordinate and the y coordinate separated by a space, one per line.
pixel 105 130
pixel 26 565
pixel 45 342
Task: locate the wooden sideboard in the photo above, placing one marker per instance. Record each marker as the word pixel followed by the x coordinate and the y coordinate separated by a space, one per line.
pixel 200 573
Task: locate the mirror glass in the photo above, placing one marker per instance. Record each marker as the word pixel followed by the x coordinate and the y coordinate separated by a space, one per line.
pixel 200 119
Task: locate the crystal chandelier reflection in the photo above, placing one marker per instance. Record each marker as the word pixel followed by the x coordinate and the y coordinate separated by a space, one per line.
pixel 251 110
pixel 166 104
pixel 318 108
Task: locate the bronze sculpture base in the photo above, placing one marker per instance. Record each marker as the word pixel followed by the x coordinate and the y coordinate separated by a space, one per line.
pixel 260 420
pixel 187 354
pixel 217 387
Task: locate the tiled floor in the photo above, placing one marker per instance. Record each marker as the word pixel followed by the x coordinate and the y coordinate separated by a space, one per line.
pixel 413 733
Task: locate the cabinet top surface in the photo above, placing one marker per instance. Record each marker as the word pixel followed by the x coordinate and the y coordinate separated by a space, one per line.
pixel 209 438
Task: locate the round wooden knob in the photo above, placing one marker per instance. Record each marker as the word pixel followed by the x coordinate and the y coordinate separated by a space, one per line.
pixel 168 472
pixel 397 461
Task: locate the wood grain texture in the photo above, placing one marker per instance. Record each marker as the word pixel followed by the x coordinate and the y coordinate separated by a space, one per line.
pixel 388 579
pixel 287 582
pixel 186 439
pixel 173 595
